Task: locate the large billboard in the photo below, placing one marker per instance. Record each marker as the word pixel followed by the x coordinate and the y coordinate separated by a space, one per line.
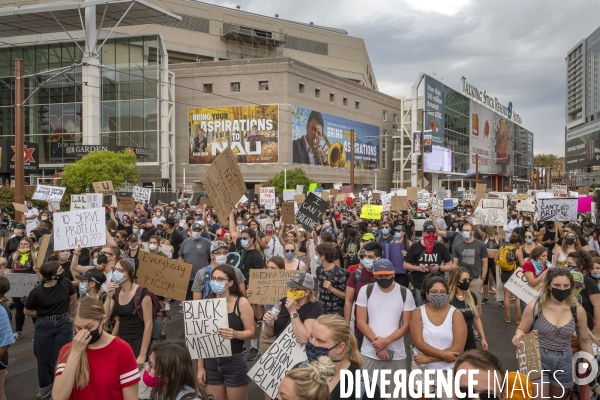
pixel 31 154
pixel 435 109
pixel 324 139
pixel 491 137
pixel 250 131
pixel 583 146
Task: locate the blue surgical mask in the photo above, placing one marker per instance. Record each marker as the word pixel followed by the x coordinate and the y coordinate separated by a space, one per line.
pixel 244 243
pixel 467 235
pixel 196 235
pixel 117 277
pixel 134 231
pixel 368 264
pixel 217 287
pixel 289 256
pixel 385 231
pixel 82 288
pixel 528 240
pixel 271 214
pixel 374 230
pixel 397 235
pixel 326 224
pixel 317 261
pixel 597 276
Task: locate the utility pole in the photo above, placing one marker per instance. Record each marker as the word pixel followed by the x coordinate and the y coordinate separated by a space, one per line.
pixel 476 168
pixel 19 136
pixel 352 160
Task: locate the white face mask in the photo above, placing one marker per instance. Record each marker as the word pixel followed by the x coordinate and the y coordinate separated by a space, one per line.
pixel 221 259
pixel 153 247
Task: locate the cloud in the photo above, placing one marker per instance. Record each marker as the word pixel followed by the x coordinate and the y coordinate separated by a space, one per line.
pixel 513 49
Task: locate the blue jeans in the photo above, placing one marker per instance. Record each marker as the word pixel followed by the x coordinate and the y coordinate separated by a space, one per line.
pixel 417 295
pixel 49 338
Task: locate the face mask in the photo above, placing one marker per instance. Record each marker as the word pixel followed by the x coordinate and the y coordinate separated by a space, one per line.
pixel 327 224
pixel 466 235
pixel 217 287
pixel 385 231
pixel 352 232
pixel 133 247
pixel 269 231
pixel 317 261
pixel 513 217
pixel 397 235
pixel 597 276
pixel 150 381
pixel 289 256
pixel 178 217
pixel 374 230
pixel 29 207
pixel 295 294
pixel 314 352
pixel 385 283
pixel 102 259
pixel 570 240
pixel 464 285
pixel 344 222
pixel 438 300
pixel 82 288
pixel 95 335
pixel 64 256
pixel 528 240
pixel 526 227
pixel 244 243
pixel 561 294
pixel 44 218
pixel 576 292
pixel 117 277
pixel 239 222
pixel 196 235
pixel 153 247
pixel 42 231
pixel 135 231
pixel 468 212
pixel 271 214
pixel 221 259
pixel 368 264
pixel 158 214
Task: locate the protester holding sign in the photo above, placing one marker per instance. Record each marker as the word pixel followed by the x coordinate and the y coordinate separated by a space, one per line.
pixel 227 377
pixel 31 217
pixel 332 279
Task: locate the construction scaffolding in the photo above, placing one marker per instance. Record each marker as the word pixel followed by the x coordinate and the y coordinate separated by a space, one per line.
pixel 248 42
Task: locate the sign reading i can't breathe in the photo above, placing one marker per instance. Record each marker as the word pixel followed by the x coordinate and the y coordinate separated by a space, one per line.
pixel 310 211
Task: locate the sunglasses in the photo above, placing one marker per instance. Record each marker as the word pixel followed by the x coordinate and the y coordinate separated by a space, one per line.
pixel 245 237
pixel 105 253
pixel 290 251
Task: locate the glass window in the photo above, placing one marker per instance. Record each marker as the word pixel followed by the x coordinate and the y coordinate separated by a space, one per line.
pixel 136 83
pixel 121 53
pixel 107 55
pixel 6 121
pixel 5 62
pixel 151 51
pixel 150 112
pixel 137 115
pixel 151 82
pixel 109 116
pixel 123 116
pixel 41 58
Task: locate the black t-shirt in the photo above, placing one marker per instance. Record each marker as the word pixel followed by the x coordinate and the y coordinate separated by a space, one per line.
pixel 126 228
pixel 590 288
pixel 408 226
pixel 251 259
pixel 147 233
pixel 417 255
pixel 469 315
pixel 175 238
pixel 52 300
pixel 351 248
pixel 338 278
pixel 309 310
pixel 131 326
pixel 336 392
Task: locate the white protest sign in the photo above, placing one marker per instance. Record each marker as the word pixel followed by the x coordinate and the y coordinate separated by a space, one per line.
pixel 299 189
pixel 279 359
pixel 20 284
pixel 563 209
pixel 288 195
pixel 560 191
pixel 85 228
pixel 543 195
pixel 527 204
pixel 85 201
pixel 386 199
pixel 492 212
pixel 203 319
pixel 401 192
pixel 469 196
pixel 267 197
pixel 244 199
pixel 141 194
pixel 48 193
pixel 518 285
pixel 423 196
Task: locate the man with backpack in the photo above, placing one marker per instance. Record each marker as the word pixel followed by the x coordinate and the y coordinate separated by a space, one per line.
pixel 218 255
pixel 472 255
pixel 383 312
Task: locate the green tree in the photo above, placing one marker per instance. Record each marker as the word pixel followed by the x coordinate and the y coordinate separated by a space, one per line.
pixel 295 176
pixel 101 166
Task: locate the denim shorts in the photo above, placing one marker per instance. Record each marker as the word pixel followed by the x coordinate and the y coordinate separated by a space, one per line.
pixel 558 366
pixel 230 371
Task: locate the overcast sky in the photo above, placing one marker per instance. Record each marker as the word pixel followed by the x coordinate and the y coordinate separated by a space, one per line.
pixel 513 49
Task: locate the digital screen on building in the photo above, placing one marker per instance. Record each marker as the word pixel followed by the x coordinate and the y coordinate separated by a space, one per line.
pixel 582 147
pixel 439 160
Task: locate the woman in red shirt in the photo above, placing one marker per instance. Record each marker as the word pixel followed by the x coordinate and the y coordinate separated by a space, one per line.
pixel 96 365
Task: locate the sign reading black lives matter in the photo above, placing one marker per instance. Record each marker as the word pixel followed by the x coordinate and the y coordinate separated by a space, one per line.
pixel 203 319
pixel 563 209
pixel 310 211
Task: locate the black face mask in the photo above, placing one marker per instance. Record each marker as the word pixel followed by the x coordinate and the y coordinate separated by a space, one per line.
pixel 41 232
pixel 102 259
pixel 570 240
pixel 561 294
pixel 352 232
pixel 513 216
pixel 549 225
pixel 385 283
pixel 526 227
pixel 464 285
pixel 95 335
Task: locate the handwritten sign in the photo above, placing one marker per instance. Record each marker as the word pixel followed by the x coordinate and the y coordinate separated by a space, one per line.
pixel 517 284
pixel 279 359
pixel 325 195
pixel 399 203
pixel 163 276
pixel 126 204
pixel 480 189
pixel 86 200
pixel 20 284
pixel 564 209
pixel 267 197
pixel 224 182
pixel 268 285
pixel 141 194
pixel 202 320
pixel 288 194
pixel 104 187
pixel 370 211
pixel 560 191
pixel 346 189
pixel 527 204
pixel 492 212
pixel 85 228
pixel 188 188
pixel 299 198
pixel 288 212
pixel 413 193
pixel 334 192
pixel 48 193
pixel 341 197
pixel 310 211
pixel 583 191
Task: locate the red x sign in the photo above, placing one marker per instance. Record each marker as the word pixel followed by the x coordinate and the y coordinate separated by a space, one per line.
pixel 28 154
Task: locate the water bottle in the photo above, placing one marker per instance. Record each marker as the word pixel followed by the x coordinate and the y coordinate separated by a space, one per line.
pixel 275 311
pixel 413 352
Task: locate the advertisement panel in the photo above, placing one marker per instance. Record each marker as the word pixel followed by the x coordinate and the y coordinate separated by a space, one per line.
pixel 491 138
pixel 252 133
pixel 7 157
pixel 435 109
pixel 583 146
pixel 439 160
pixel 324 139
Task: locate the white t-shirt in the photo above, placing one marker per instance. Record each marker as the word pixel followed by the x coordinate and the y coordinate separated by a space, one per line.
pixel 274 248
pixel 385 311
pixel 158 220
pixel 510 227
pixel 108 279
pixel 31 223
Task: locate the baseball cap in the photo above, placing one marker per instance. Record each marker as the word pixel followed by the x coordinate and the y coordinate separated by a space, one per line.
pixel 302 280
pixel 143 220
pixel 578 278
pixel 132 238
pixel 428 227
pixel 382 267
pixel 48 212
pixel 368 236
pixel 353 224
pixel 4 210
pixel 217 244
pixel 198 211
pixel 172 203
pixel 19 225
pixel 399 228
pixel 197 225
pixel 94 275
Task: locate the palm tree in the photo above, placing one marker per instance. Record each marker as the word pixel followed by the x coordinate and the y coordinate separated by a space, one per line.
pixel 548 164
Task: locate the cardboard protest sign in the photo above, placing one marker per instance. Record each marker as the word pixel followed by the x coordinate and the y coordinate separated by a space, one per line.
pixel 44 242
pixel 105 187
pixel 528 356
pixel 268 285
pixel 341 197
pixel 583 191
pixel 310 211
pixel 203 201
pixel 224 182
pixel 480 189
pixel 163 276
pixel 346 189
pixel 202 320
pixel 126 204
pixel 48 193
pixel 560 191
pixel 334 192
pixel 399 203
pixel 141 194
pixel 563 209
pixel 288 213
pixel 584 204
pixel 376 196
pixel 492 212
pixel 20 207
pixel 85 228
pixel 288 194
pixel 299 198
pixel 413 193
pixel 267 197
pixel 279 359
pixel 20 284
pixel 517 284
pixel 188 188
pixel 527 204
pixel 371 211
pixel 325 195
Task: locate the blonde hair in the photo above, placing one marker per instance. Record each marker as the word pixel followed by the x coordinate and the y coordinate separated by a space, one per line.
pixel 546 289
pixel 85 308
pixel 453 279
pixel 564 244
pixel 32 251
pixel 340 332
pixel 311 382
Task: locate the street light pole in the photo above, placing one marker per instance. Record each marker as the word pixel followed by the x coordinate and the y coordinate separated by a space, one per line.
pixel 352 160
pixel 19 136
